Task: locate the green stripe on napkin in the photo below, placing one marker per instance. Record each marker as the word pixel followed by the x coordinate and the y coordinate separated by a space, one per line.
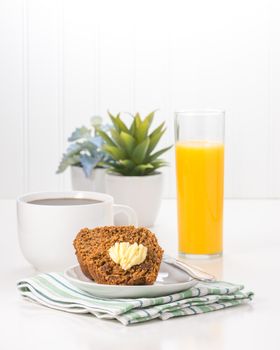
pixel 54 291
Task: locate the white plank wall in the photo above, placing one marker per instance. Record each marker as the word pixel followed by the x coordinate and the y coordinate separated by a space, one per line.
pixel 12 110
pixel 64 61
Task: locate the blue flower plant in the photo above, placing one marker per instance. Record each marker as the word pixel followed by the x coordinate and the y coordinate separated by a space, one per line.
pixel 85 149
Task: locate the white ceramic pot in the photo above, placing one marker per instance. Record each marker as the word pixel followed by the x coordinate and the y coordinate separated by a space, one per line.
pixel 46 232
pixel 96 182
pixel 142 193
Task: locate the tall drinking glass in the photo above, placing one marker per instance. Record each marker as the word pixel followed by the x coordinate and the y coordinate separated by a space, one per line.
pixel 200 181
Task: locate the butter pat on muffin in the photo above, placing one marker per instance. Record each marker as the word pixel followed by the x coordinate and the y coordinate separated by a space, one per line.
pixel 128 255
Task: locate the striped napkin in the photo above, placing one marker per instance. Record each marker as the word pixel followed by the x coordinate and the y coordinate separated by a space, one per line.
pixel 54 291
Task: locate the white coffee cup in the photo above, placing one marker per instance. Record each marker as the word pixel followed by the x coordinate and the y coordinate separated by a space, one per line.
pixel 47 227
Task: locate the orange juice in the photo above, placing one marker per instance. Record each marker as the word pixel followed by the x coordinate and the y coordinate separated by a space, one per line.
pixel 200 183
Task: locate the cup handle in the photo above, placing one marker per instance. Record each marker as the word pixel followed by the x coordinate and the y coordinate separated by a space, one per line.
pixel 129 212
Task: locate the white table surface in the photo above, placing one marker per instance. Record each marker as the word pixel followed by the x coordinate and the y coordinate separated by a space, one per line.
pixel 251 251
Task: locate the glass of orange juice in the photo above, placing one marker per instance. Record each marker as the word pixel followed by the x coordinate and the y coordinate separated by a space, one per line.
pixel 200 181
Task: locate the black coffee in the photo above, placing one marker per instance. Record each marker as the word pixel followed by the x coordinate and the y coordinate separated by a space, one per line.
pixel 64 201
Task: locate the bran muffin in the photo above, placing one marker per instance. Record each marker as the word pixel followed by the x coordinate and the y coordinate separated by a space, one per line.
pixel 93 253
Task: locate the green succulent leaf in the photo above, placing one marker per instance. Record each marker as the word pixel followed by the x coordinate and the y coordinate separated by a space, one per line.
pixel 121 124
pixel 142 126
pixel 113 120
pixel 106 138
pixel 127 163
pixel 138 120
pixel 159 163
pixel 117 138
pixel 118 123
pixel 128 141
pixel 120 167
pixel 149 118
pixel 139 153
pixel 115 152
pixel 154 140
pixel 132 128
pixel 158 129
pixel 142 169
pixel 158 153
pixel 155 136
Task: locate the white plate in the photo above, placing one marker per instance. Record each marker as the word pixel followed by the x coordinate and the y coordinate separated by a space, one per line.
pixel 170 280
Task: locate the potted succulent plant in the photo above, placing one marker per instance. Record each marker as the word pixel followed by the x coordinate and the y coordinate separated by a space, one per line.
pixel 133 177
pixel 86 157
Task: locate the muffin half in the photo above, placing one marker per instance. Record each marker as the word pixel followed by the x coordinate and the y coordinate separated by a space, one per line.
pixel 122 255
